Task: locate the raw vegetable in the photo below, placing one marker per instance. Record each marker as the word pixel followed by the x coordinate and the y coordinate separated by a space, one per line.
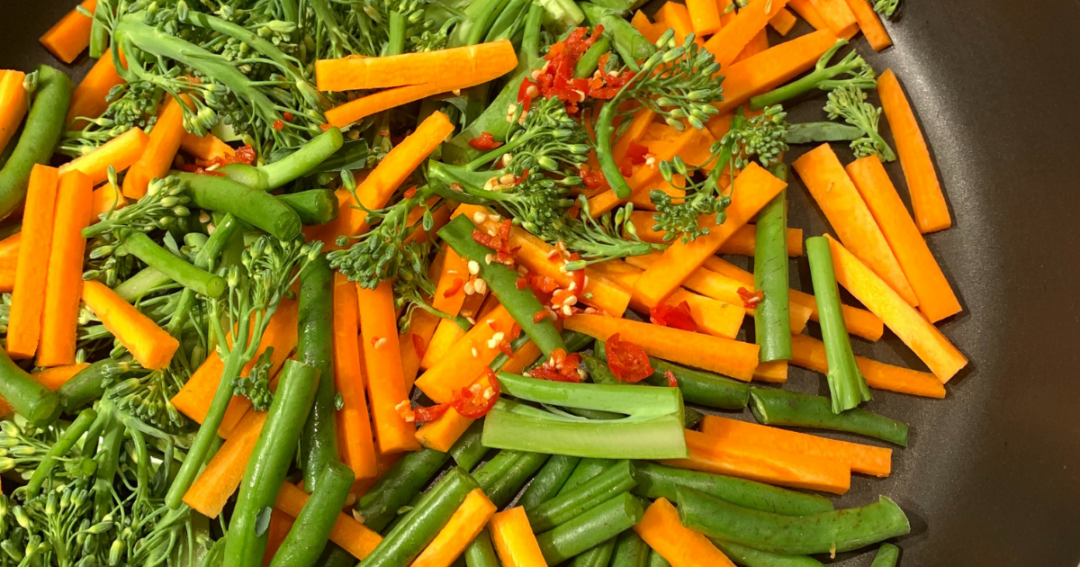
pixel 459 368
pixel 630 551
pixel 55 377
pixel 870 24
pixel 681 547
pixel 356 446
pixel 836 14
pixel 245 203
pixel 616 480
pixel 288 168
pixel 704 17
pixel 88 384
pixel 808 352
pixel 311 531
pixel 887 556
pixel 791 409
pixel 548 481
pixel 772 321
pixel 159 151
pixel 119 153
pixel 514 540
pixel 408 476
pixel 222 475
pixel 736 34
pixel 315 347
pixel 151 346
pixel 13 103
pixel 351 535
pixel 143 247
pixel 481 552
pixel 462 528
pixel 314 207
pixel 751 557
pixel 71 35
pixel 502 477
pixel 89 100
pixel 408 69
pixel 697 387
pixel 591 528
pixel 469 449
pixel 28 297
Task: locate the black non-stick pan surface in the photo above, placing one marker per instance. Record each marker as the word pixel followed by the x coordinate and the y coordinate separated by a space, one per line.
pixel 992 474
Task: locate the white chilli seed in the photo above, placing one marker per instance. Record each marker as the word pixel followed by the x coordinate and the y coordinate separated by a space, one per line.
pixel 474 267
pixel 469 289
pixel 479 217
pixel 480 286
pixel 475 353
pixel 380 343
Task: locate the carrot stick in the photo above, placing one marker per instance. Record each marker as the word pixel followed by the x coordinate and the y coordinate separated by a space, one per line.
pixel 783 21
pixel 662 529
pixel 775 372
pixel 944 359
pixel 936 298
pixel 351 535
pixel 751 20
pixel 71 35
pixel 726 9
pixel 675 16
pixel 9 247
pixel 866 459
pixel 450 290
pixel 354 73
pixel 151 346
pixel 356 446
pixel 161 148
pixel 514 540
pixel 775 66
pixel 447 334
pixel 463 527
pixel 57 376
pixel 104 200
pixel 752 189
pixel 870 24
pixel 13 104
pixel 849 216
pixel 641 179
pixel 724 356
pixel 423 328
pixel 195 397
pixel 651 31
pixel 221 477
pixel 931 211
pixel 758 44
pixel 206 147
pixel 120 152
pixel 837 16
pixel 28 298
pixel 63 283
pixel 8 267
pixel 88 99
pixel 809 353
pixel 704 16
pixel 742 242
pixel 378 325
pixel 638 125
pixel 278 529
pixel 763 464
pixel 466 359
pixel 643 199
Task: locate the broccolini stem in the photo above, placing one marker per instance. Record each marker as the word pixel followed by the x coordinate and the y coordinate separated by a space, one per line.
pixel 819 78
pixel 147 280
pixel 205 259
pixel 141 246
pixel 395 44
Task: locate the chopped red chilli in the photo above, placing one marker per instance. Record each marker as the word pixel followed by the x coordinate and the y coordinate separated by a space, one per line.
pixel 560 367
pixel 455 286
pixel 410 192
pixel 750 299
pixel 671 380
pixel 279 125
pixel 418 345
pixel 626 360
pixel 423 414
pixel 288 116
pixel 677 317
pixel 476 401
pixel 484 142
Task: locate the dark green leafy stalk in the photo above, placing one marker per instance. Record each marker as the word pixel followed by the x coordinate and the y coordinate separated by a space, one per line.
pixel 141 246
pixel 751 557
pixel 30 398
pixel 857 73
pixel 616 480
pixel 245 203
pixel 64 444
pixel 481 553
pixel 630 551
pixel 697 386
pixel 660 481
pixel 502 488
pixel 887 556
pixel 147 281
pixel 850 104
pixel 598 556
pixel 407 477
pixel 846 383
pixel 308 536
pixel 791 409
pixel 469 449
pixel 508 21
pixel 89 384
pixel 590 529
pixel 819 132
pixel 692 417
pixel 772 322
pixel 548 481
pixel 316 206
pixel 334 556
pixel 290 167
pixel 828 532
pixel 40 135
pixel 315 347
pixel 479 16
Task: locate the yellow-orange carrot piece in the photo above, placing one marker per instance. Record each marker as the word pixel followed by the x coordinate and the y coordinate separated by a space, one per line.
pixel 742 242
pixel 704 16
pixel 737 33
pixel 825 178
pixel 661 528
pixel 643 199
pixel 808 352
pixel 638 126
pixel 421 329
pixel 837 15
pixel 775 372
pixel 221 477
pixel 870 24
pixel 865 459
pixel 514 540
pixel 447 334
pixel 725 356
pixel 943 359
pixel 105 200
pixel 8 267
pixel 675 16
pixel 351 535
pixel 640 180
pixel 450 289
pixel 120 152
pixel 161 148
pixel 651 31
pixel 57 376
pixel 151 346
pixel 783 21
pixel 752 189
pixel 936 298
pixel 378 326
pixel 276 531
pixel 763 464
pixel 28 297
pixel 463 527
pixel 773 67
pixel 88 99
pixel 9 247
pixel 356 446
pixel 366 73
pixel 71 35
pixel 63 283
pixel 13 104
pixel 206 147
pixel 758 44
pixel 465 361
pixel 927 199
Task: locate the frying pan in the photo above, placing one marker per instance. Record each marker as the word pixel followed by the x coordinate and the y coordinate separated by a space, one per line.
pixel 992 474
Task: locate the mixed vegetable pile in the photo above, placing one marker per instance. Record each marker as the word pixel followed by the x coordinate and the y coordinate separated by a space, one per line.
pixel 440 282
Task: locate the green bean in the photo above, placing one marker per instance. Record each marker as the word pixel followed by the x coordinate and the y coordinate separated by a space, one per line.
pixel 692 417
pixel 598 556
pixel 64 444
pixel 29 397
pixel 99 31
pixel 309 534
pixel 225 235
pixel 469 449
pixel 315 206
pixel 783 407
pixel 590 529
pixel 295 165
pixel 576 341
pixel 772 321
pixel 751 557
pixel 819 132
pixel 146 280
pixel 630 551
pixel 89 383
pixel 616 480
pixel 40 134
pixel 846 383
pixel 697 386
pixel 401 512
pixel 591 58
pixel 481 553
pixel 269 463
pixel 887 556
pixel 407 477
pixel 827 532
pixel 334 556
pixel 503 476
pixel 548 481
pixel 403 543
pixel 585 470
pixel 660 481
pixel 315 347
pixel 141 246
pixel 508 22
pixel 252 205
pixel 657 560
pixel 627 41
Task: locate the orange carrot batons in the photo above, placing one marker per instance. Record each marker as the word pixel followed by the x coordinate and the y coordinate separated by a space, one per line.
pixel 661 528
pixel 57 376
pixel 221 477
pixel 365 73
pixel 351 535
pixel 13 104
pixel 870 24
pixel 151 346
pixel 356 446
pixel 704 16
pixel 120 153
pixel 514 540
pixel 463 527
pixel 161 148
pixel 783 21
pixel 206 147
pixel 71 35
pixel 88 99
pixel 28 297
pixel 751 20
pixel 808 352
pixel 837 15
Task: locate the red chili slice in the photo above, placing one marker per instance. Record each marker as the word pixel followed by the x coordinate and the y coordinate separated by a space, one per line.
pixel 418 345
pixel 627 361
pixel 455 286
pixel 750 299
pixel 278 125
pixel 484 142
pixel 410 192
pixel 541 315
pixel 677 317
pixel 474 405
pixel 288 116
pixel 671 380
pixel 424 415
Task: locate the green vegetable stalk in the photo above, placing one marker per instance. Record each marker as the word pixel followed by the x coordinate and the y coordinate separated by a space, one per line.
pixel 309 534
pixel 407 477
pixel 887 556
pixel 751 557
pixel 141 246
pixel 147 280
pixel 792 409
pixel 616 480
pixel 60 449
pixel 858 73
pixel 590 529
pixel 469 449
pixel 772 321
pixel 481 552
pixel 289 168
pixel 547 483
pixel 630 551
pixel 314 207
pixel 503 476
pixel 252 205
pixel 30 398
pixel 819 132
pixel 315 347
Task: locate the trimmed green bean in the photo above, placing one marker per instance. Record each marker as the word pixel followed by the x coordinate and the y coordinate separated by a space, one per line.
pixel 630 551
pixel 147 280
pixel 660 481
pixel 269 463
pixel 40 134
pixel 772 321
pixel 99 32
pixel 334 556
pixel 143 247
pixel 827 532
pixel 547 483
pixel 309 534
pixel 692 417
pixel 315 347
pixel 576 341
pixel 887 556
pixel 297 164
pixel 503 481
pixel 29 397
pixel 89 383
pixel 585 470
pixel 590 60
pixel 423 522
pixel 598 556
pixel 407 477
pixel 225 234
pixel 481 552
pixel 782 407
pixel 751 557
pixel 820 132
pixel 469 449
pixel 846 383
pixel 697 386
pixel 657 560
pixel 316 206
pixel 616 480
pixel 64 444
pixel 590 529
pixel 255 206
